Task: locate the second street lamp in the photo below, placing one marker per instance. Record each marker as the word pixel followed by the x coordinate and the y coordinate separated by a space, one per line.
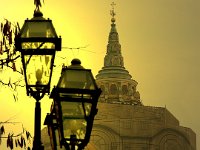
pixel 75 101
pixel 37 41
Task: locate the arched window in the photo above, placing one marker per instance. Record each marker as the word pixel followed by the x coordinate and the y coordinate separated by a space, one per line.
pixel 124 90
pixel 134 89
pixel 113 89
pixel 171 145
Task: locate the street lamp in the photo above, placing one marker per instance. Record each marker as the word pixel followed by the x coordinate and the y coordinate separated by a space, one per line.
pixel 75 100
pixel 37 41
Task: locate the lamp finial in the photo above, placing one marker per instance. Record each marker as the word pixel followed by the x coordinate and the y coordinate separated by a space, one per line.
pixel 37 12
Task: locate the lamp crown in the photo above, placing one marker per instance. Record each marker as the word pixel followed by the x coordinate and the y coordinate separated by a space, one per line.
pixel 37 13
pixel 76 61
pixel 76 64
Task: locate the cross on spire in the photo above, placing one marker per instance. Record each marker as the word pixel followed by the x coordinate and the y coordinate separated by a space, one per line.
pixel 113 5
pixel 112 12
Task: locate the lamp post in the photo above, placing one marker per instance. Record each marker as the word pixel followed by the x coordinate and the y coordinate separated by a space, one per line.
pixel 74 107
pixel 37 41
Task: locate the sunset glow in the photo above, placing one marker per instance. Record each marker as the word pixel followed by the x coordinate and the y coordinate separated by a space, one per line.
pixel 160 46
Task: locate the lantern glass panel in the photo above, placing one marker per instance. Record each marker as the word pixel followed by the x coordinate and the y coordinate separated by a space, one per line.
pixel 38 45
pixel 74 116
pixel 76 109
pixel 74 127
pixel 74 95
pixel 38 29
pixel 38 69
pixel 78 79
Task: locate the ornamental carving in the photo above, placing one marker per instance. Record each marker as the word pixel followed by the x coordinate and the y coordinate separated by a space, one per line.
pixel 116 61
pixel 113 36
pixel 107 61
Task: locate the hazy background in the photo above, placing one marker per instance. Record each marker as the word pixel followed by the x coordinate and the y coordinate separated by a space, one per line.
pixel 160 44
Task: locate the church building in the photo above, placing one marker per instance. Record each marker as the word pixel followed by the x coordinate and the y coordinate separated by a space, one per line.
pixel 122 121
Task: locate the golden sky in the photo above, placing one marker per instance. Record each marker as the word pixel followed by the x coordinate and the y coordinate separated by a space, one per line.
pixel 160 46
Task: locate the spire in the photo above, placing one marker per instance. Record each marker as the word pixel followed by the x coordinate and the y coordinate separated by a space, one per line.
pixel 113 56
pixel 114 80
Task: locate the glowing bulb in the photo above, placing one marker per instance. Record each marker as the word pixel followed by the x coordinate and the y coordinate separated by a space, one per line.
pixel 39 73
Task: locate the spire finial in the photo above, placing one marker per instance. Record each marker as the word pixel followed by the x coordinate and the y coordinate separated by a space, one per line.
pixel 112 12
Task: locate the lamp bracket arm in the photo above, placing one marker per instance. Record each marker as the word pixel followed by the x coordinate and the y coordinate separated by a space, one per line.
pixel 37 95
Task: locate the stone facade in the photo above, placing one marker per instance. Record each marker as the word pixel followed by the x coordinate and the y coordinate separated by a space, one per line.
pixel 128 127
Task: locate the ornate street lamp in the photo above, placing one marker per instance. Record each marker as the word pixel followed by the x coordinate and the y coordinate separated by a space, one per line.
pixel 75 100
pixel 37 41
